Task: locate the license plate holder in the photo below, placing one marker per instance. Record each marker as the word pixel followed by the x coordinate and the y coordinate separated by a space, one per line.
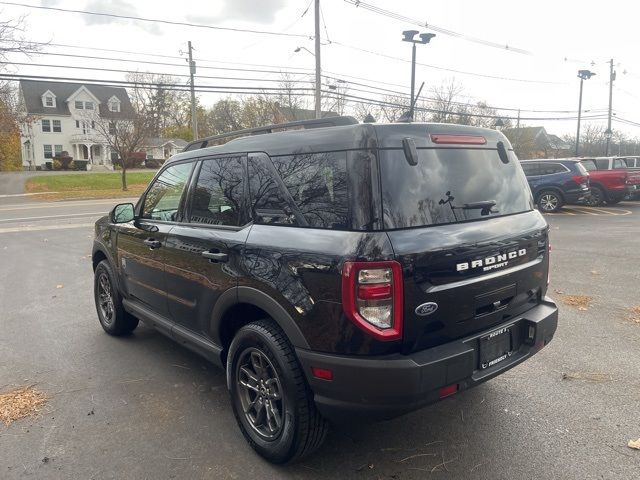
pixel 495 347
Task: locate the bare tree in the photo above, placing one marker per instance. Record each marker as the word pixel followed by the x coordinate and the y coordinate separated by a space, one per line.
pixel 12 38
pixel 160 99
pixel 444 101
pixel 124 137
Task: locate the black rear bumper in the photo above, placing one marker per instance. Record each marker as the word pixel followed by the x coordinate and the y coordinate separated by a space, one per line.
pixel 387 386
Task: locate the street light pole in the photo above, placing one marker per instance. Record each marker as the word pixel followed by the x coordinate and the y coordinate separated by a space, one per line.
pixel 192 72
pixel 423 38
pixel 317 54
pixel 413 80
pixel 583 75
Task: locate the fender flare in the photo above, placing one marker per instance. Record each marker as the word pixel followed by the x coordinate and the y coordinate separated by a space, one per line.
pixel 257 298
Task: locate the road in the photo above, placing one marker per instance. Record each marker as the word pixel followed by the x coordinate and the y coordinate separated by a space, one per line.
pixel 141 407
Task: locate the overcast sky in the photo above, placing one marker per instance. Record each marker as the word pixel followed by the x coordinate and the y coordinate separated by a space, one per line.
pixel 559 38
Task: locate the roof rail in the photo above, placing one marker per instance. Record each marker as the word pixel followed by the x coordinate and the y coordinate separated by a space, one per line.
pixel 305 124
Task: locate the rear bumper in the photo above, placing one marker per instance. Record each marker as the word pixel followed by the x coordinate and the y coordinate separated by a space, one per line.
pixel 387 386
pixel 576 197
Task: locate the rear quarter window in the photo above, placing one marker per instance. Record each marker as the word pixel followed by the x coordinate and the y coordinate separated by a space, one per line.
pixel 450 186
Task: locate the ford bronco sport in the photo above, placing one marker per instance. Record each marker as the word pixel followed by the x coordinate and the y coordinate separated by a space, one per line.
pixel 334 269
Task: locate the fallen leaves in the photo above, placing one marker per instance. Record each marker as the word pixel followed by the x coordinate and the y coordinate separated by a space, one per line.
pixel 634 315
pixel 20 403
pixel 634 444
pixel 581 302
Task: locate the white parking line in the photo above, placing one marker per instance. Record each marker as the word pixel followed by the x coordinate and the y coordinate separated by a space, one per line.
pixel 89 214
pixel 31 228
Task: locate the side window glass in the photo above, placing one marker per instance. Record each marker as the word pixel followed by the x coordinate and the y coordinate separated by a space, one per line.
pixel 217 199
pixel 163 198
pixel 316 190
pixel 589 165
pixel 530 169
pixel 268 203
pixel 602 163
pixel 619 163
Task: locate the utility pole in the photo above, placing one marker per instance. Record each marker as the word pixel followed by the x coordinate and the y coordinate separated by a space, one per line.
pixel 582 75
pixel 318 76
pixel 609 132
pixel 192 72
pixel 413 80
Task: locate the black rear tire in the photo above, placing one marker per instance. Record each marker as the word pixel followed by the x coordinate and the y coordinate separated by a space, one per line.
pixel 266 382
pixel 549 201
pixel 111 314
pixel 614 200
pixel 596 198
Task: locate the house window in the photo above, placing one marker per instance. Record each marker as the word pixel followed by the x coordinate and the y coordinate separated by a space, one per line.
pixel 57 126
pixel 114 155
pixel 48 101
pixel 114 106
pixel 93 124
pixel 77 123
pixel 88 105
pixel 46 125
pixel 58 149
pixel 48 152
pixel 79 105
pixel 112 128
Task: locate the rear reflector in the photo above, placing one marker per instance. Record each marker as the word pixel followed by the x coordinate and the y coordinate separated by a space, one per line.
pixel 322 373
pixel 458 139
pixel 448 390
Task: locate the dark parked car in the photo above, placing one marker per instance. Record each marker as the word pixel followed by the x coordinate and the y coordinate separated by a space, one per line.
pixel 335 272
pixel 556 182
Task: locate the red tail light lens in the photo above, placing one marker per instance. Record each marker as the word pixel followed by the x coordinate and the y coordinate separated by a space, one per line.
pixel 372 297
pixel 580 179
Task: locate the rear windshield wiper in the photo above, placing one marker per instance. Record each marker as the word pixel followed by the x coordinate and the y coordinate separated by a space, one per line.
pixel 485 207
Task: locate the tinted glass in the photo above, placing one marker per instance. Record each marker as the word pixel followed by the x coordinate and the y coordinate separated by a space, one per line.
pixel 551 168
pixel 313 192
pixel 581 169
pixel 530 169
pixel 163 198
pixel 602 163
pixel 589 165
pixel 449 186
pixel 619 163
pixel 217 199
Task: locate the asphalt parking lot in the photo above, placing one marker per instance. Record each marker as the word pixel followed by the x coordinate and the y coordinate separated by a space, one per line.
pixel 143 408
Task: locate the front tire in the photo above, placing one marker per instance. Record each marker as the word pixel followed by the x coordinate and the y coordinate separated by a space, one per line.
pixel 271 400
pixel 549 201
pixel 111 314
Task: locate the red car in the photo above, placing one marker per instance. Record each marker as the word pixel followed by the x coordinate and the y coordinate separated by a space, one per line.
pixel 610 180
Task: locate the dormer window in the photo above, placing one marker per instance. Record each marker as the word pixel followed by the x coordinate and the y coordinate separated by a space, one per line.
pixel 49 99
pixel 114 104
pixel 79 105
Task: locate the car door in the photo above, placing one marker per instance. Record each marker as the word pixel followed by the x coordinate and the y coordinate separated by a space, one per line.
pixel 141 242
pixel 203 253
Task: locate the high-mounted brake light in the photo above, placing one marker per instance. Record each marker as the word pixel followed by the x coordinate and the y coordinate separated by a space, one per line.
pixel 458 139
pixel 372 297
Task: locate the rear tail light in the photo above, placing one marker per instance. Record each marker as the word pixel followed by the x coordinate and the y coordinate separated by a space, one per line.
pixel 581 179
pixel 448 390
pixel 372 297
pixel 458 139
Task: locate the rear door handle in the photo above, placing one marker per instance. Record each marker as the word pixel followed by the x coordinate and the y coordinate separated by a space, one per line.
pixel 152 243
pixel 216 257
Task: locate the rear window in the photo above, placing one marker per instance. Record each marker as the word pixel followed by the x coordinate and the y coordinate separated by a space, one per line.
pixel 581 169
pixel 450 186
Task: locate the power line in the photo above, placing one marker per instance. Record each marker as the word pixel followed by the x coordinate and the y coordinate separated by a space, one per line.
pixel 461 72
pixel 155 20
pixel 435 28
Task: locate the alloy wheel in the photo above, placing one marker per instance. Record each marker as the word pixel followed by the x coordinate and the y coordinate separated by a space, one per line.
pixel 105 299
pixel 549 202
pixel 260 393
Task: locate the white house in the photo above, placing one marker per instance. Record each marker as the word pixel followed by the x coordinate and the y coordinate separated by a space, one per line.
pixel 163 148
pixel 63 117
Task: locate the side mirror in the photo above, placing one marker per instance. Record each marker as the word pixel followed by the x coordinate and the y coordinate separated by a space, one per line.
pixel 123 213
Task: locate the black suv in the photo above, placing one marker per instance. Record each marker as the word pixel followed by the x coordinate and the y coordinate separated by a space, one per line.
pixel 335 272
pixel 556 182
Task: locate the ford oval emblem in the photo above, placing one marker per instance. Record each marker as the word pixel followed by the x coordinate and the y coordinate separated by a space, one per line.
pixel 426 309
